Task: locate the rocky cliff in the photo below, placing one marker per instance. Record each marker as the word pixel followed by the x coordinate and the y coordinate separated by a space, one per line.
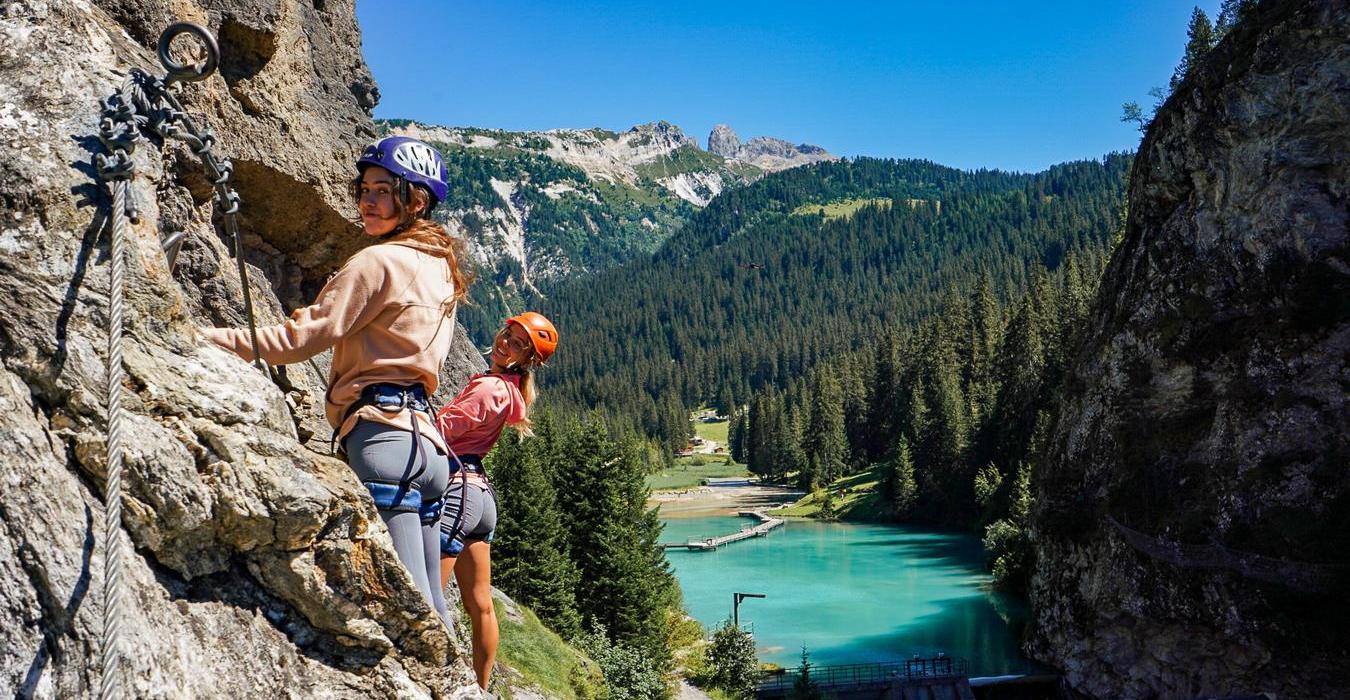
pixel 764 152
pixel 1194 508
pixel 257 565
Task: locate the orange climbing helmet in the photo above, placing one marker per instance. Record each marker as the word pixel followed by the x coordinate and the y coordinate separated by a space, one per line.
pixel 542 334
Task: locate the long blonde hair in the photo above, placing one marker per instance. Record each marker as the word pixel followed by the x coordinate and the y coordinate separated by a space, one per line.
pixel 528 390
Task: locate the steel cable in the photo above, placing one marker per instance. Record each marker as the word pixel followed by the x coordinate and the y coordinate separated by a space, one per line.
pixel 110 679
pixel 144 102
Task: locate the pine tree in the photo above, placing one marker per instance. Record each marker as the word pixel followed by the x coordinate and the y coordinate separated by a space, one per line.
pixel 1021 368
pixel 737 434
pixel 625 581
pixel 790 457
pixel 1230 13
pixel 725 403
pixel 530 555
pixel 947 485
pixel 677 429
pixel 1200 38
pixel 901 485
pixel 805 687
pixel 825 441
pixel 985 326
pixel 854 381
pixel 758 425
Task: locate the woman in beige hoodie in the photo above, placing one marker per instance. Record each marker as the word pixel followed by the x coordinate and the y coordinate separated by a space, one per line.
pixel 389 315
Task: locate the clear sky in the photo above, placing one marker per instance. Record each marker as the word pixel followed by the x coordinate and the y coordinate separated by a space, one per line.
pixel 1011 85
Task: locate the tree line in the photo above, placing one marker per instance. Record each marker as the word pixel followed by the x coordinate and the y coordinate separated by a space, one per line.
pixel 953 409
pixel 752 295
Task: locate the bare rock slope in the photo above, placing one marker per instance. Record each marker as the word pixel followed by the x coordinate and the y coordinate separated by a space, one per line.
pixel 1194 508
pixel 257 567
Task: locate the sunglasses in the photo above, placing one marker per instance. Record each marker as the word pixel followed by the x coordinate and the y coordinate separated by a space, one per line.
pixel 516 343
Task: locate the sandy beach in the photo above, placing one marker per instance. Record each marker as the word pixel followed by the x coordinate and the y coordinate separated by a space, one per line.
pixel 721 499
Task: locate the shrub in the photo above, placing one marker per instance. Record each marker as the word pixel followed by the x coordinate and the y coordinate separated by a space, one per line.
pixel 732 659
pixel 629 674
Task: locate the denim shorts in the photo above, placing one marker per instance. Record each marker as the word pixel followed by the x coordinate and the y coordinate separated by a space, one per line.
pixel 478 503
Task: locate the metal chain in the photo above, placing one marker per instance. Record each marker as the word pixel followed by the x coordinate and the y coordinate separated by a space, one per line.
pixel 144 102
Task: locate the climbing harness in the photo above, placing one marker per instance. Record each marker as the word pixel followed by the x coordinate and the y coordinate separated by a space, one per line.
pixel 464 465
pixel 399 496
pixel 146 102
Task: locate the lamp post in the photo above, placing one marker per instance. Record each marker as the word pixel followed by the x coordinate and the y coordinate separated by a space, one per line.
pixel 736 599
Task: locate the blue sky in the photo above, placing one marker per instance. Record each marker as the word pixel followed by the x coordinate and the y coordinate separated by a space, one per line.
pixel 1017 86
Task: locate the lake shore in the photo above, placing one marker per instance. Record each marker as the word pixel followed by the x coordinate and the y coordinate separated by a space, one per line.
pixel 721 499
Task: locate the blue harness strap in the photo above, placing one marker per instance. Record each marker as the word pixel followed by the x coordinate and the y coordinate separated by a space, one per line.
pixel 431 510
pixel 400 498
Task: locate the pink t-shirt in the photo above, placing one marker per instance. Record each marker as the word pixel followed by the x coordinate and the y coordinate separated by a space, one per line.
pixel 472 422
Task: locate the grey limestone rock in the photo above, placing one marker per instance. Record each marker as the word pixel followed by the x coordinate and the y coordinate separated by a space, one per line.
pixel 1194 507
pixel 257 566
pixel 723 141
pixel 764 152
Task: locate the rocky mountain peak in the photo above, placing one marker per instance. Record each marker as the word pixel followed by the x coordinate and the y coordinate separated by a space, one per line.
pixel 663 133
pixel 764 152
pixel 723 141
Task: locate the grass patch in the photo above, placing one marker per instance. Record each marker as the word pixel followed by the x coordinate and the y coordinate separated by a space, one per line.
pixel 542 657
pixel 712 431
pixel 689 472
pixel 841 209
pixel 685 159
pixel 856 497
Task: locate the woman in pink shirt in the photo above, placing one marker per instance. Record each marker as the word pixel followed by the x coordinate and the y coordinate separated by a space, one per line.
pixel 471 425
pixel 389 315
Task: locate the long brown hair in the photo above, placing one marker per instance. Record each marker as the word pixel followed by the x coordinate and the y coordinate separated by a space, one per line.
pixel 415 224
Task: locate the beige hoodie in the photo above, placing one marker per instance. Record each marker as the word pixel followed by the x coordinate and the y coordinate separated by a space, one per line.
pixel 387 314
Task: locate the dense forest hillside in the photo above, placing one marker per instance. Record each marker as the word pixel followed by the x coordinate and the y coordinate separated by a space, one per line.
pixel 772 279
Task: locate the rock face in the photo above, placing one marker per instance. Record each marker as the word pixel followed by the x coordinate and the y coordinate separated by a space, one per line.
pixel 1194 506
pixel 256 566
pixel 763 152
pixel 723 141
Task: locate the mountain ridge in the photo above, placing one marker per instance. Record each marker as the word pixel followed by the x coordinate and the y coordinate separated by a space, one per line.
pixel 539 207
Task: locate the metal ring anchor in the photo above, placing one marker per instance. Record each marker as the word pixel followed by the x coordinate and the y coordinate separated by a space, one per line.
pixel 179 72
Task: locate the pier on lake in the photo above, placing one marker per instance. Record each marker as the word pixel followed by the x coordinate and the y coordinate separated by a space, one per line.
pixel 707 544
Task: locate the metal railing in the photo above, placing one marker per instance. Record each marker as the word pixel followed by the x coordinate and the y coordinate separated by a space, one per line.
pixel 862 675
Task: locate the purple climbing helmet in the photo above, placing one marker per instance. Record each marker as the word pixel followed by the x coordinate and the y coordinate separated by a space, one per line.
pixel 410 159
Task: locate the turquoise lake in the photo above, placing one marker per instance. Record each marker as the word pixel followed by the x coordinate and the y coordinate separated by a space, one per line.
pixel 851 593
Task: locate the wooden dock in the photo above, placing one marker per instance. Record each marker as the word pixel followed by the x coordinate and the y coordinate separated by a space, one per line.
pixel 708 544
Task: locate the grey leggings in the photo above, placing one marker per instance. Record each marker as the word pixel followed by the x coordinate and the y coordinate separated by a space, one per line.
pixel 383 453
